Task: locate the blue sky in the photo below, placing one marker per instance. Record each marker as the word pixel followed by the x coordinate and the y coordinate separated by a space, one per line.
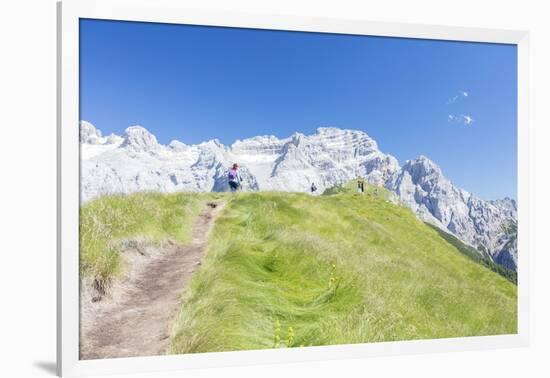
pixel 454 102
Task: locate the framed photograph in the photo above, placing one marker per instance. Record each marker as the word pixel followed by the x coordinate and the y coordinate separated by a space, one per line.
pixel 255 188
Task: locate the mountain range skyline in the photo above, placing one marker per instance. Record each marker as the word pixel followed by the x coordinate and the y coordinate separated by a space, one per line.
pixel 137 162
pixel 453 101
pixel 177 141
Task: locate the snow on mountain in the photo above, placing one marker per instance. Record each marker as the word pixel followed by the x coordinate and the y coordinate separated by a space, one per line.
pixel 138 139
pixel 89 134
pixel 95 143
pixel 137 162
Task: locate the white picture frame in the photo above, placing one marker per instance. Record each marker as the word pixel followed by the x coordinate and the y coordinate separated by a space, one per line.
pixel 69 13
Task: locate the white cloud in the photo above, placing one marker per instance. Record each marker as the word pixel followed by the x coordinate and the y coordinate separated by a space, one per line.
pixel 462 119
pixel 460 95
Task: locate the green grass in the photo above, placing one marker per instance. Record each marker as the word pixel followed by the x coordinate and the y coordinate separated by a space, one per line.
pixel 350 187
pixel 286 270
pixel 108 222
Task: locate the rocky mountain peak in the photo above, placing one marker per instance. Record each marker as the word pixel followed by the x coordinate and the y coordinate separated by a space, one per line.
pixel 262 142
pixel 329 130
pixel 177 146
pixel 139 139
pixel 89 134
pixel 297 138
pixel 422 168
pixel 506 203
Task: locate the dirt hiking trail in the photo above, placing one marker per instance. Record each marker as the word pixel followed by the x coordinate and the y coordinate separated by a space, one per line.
pixel 139 324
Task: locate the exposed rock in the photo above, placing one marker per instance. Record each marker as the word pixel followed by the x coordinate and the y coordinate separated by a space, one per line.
pixel 422 186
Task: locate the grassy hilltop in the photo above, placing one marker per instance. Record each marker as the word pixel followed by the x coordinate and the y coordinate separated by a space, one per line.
pixel 290 270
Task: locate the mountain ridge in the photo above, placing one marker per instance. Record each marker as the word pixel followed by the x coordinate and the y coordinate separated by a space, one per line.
pixel 330 156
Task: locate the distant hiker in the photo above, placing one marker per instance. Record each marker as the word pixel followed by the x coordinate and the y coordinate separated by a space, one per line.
pixel 360 186
pixel 313 188
pixel 376 192
pixel 234 178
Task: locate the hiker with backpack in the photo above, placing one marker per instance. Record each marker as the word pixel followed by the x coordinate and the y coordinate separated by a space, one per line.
pixel 234 178
pixel 313 188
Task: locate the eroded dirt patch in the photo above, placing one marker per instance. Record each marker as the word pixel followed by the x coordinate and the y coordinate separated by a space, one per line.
pixel 135 319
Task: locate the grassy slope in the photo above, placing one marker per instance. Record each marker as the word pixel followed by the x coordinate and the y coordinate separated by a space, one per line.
pixel 472 253
pixel 108 222
pixel 292 270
